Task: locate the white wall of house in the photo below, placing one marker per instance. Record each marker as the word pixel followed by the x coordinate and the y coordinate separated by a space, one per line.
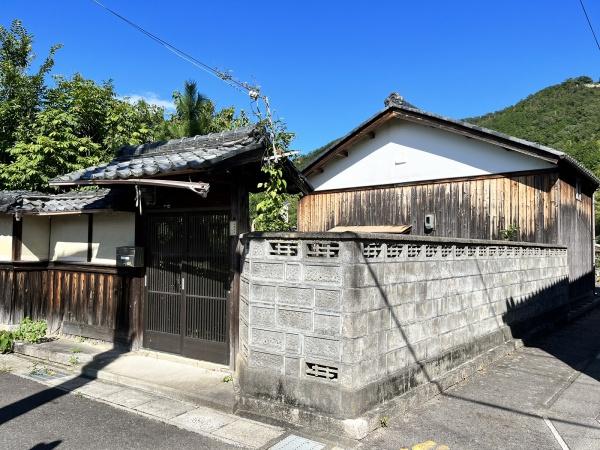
pixel 69 238
pixel 403 152
pixel 110 231
pixel 6 229
pixel 35 238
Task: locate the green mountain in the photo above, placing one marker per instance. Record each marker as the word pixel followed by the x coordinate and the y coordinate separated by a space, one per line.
pixel 565 116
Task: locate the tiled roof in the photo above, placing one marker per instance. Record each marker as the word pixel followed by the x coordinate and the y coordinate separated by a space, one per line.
pixel 28 202
pixel 172 156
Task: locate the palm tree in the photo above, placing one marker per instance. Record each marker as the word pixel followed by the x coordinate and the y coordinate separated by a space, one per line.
pixel 194 110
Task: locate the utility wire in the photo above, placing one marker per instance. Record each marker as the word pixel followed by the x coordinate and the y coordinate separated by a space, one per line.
pixel 589 23
pixel 242 86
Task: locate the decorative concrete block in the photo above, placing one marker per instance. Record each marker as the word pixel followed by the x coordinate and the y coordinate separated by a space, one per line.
pixel 292 367
pixel 322 347
pixel 244 288
pixel 263 293
pixel 322 274
pixel 272 340
pixel 266 360
pixel 328 299
pixel 396 338
pixel 293 344
pixel 293 272
pixel 294 319
pixel 262 316
pixel 402 315
pixel 295 296
pixel 355 325
pixel 327 324
pixel 267 270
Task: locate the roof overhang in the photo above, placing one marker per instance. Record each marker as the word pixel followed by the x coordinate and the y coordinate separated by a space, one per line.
pixel 196 187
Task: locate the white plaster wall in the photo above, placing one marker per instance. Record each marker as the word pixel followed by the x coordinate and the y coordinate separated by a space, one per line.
pixel 403 152
pixel 68 238
pixel 6 226
pixel 109 232
pixel 35 238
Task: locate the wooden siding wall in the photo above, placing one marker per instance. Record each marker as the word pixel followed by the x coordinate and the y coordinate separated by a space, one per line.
pixel 467 208
pixel 96 300
pixel 576 231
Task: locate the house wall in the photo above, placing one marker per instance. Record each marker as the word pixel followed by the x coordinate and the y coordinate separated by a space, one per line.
pixel 336 325
pixel 110 231
pixel 577 232
pixel 403 152
pixel 35 238
pixel 475 208
pixel 69 238
pixel 6 232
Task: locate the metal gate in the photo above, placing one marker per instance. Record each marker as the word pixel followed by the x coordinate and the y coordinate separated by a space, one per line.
pixel 187 284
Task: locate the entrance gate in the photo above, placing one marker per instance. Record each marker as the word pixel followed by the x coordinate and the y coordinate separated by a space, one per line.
pixel 187 284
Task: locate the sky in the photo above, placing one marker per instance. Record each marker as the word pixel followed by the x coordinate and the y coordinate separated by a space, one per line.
pixel 326 66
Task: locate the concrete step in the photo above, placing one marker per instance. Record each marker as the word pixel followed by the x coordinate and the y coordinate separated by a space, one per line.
pixel 172 379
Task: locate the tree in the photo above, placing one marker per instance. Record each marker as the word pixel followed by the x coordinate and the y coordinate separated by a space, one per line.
pixel 195 115
pixel 79 124
pixel 21 92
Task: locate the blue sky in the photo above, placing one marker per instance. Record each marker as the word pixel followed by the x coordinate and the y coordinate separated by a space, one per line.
pixel 326 65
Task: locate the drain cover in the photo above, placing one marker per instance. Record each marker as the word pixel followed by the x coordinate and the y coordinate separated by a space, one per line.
pixel 293 442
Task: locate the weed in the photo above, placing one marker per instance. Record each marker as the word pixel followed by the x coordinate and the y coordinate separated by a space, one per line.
pixel 39 370
pixel 80 339
pixel 31 331
pixel 227 379
pixel 6 369
pixel 6 341
pixel 73 360
pixel 384 421
pixel 75 350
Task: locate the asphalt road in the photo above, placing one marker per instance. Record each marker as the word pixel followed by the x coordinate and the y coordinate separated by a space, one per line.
pixel 73 422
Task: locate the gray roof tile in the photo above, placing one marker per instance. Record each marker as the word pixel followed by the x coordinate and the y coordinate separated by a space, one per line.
pixel 29 202
pixel 171 156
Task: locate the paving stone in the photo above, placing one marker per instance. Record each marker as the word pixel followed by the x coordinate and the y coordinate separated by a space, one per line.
pixel 130 398
pixel 248 433
pixel 203 420
pixel 97 389
pixel 164 408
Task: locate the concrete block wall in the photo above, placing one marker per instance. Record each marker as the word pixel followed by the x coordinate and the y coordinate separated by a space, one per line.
pixel 339 323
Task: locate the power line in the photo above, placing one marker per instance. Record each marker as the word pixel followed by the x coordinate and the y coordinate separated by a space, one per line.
pixel 253 91
pixel 589 23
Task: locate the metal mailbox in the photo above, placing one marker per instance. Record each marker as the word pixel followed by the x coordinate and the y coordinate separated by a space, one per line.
pixel 130 256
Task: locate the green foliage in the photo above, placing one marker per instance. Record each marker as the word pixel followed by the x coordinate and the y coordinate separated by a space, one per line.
pixel 76 123
pixel 6 341
pixel 564 116
pixel 271 206
pixel 31 331
pixel 510 233
pixel 196 115
pixel 227 379
pixel 22 89
pixel 301 161
pixel 73 360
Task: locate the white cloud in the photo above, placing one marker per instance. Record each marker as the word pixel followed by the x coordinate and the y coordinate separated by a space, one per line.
pixel 150 98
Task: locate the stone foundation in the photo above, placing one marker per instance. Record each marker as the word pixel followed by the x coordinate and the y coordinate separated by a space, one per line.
pixel 335 326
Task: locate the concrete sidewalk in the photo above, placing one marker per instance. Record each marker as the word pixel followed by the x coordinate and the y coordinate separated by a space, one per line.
pixel 546 395
pixel 171 376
